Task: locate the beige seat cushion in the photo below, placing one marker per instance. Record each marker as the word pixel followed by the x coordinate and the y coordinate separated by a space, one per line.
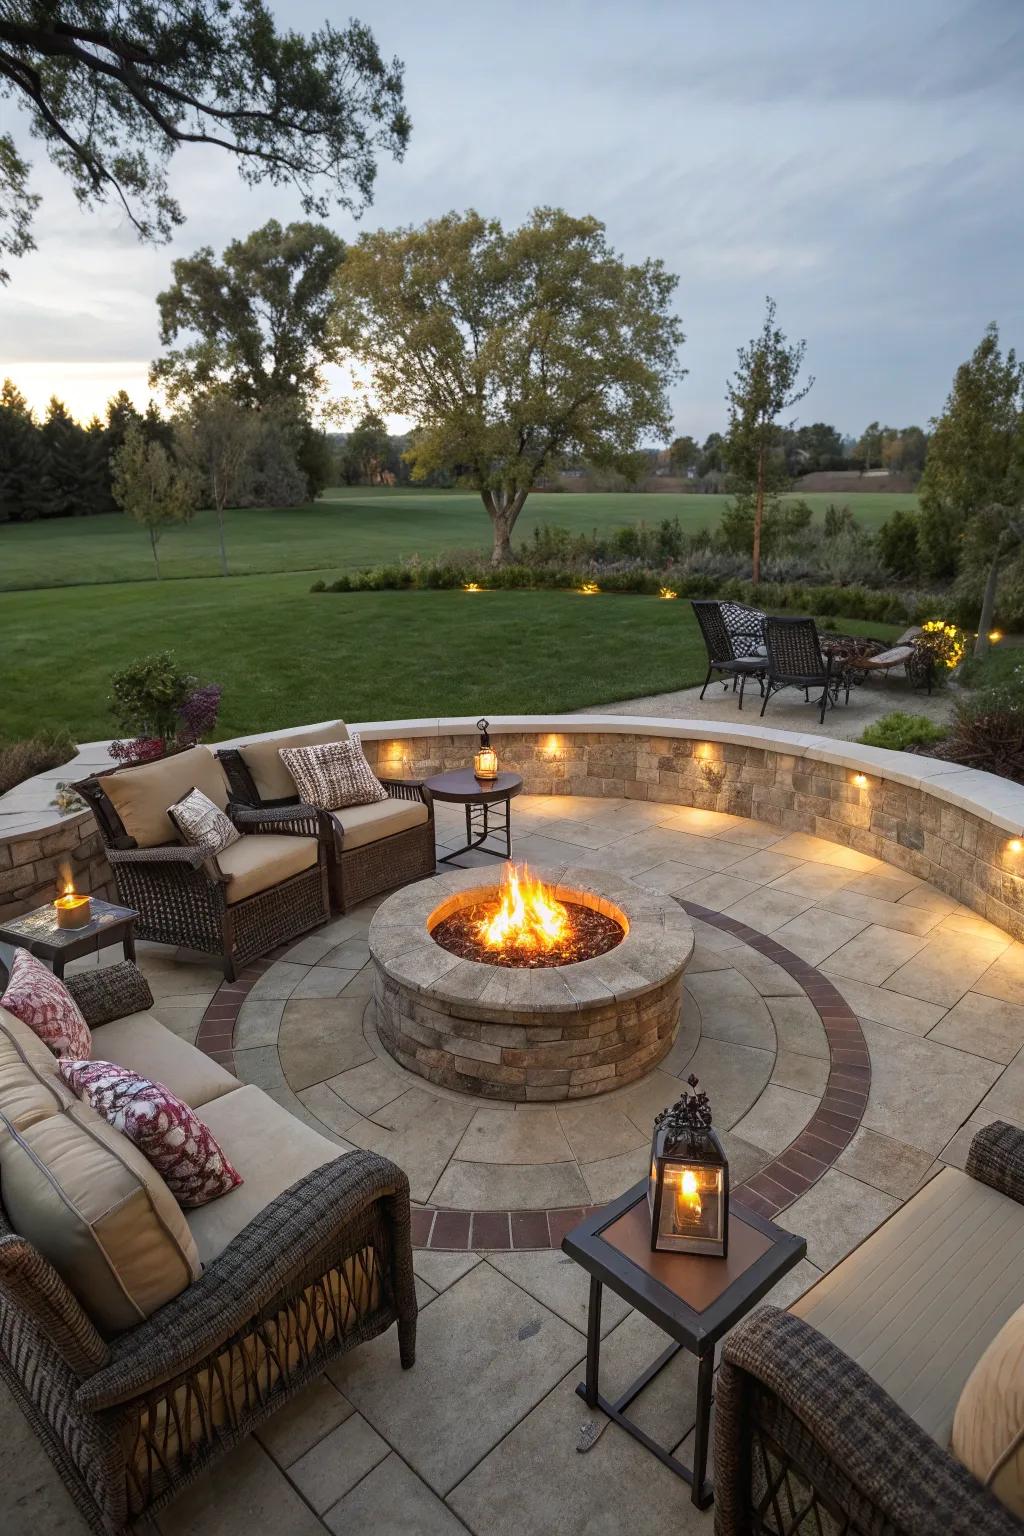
pixel 92 1204
pixel 919 1302
pixel 988 1429
pixel 362 824
pixel 263 859
pixel 141 1044
pixel 262 758
pixel 30 1086
pixel 141 795
pixel 270 1149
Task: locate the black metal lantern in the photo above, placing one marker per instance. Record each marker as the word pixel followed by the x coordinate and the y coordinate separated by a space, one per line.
pixel 485 761
pixel 688 1192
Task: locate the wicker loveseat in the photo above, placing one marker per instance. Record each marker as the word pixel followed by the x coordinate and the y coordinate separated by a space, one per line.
pixel 835 1417
pixel 269 887
pixel 143 1341
pixel 370 848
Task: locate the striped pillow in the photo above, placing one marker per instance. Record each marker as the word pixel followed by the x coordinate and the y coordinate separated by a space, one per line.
pixel 333 775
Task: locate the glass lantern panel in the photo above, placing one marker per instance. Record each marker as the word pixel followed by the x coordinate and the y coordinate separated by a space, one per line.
pixel 692 1204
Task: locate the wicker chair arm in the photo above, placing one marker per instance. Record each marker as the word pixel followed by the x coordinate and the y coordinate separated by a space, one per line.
pixel 111 993
pixel 166 853
pixel 296 820
pixel 405 789
pixel 840 1422
pixel 272 1252
pixel 997 1158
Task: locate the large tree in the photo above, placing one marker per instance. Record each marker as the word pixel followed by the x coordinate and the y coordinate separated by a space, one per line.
pixel 765 384
pixel 113 87
pixel 972 490
pixel 20 457
pixel 510 349
pixel 255 322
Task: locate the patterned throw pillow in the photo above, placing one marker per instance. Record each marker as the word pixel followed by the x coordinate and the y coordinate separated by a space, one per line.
pixel 181 1148
pixel 333 775
pixel 39 999
pixel 203 824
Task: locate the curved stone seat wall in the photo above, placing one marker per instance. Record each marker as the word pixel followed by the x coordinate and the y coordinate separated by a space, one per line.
pixel 954 827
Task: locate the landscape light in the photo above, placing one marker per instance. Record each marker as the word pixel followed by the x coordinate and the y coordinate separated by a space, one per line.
pixel 588 589
pixel 994 636
pixel 667 594
pixel 1014 845
pixel 861 780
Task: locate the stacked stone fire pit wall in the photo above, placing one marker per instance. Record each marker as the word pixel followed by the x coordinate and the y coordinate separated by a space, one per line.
pixel 31 864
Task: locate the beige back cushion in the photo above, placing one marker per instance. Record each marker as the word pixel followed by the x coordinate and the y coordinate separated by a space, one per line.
pixel 988 1427
pixel 140 796
pixel 86 1198
pixel 262 758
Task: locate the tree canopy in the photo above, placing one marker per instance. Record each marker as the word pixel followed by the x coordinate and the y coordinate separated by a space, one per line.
pixel 113 87
pixel 255 322
pixel 510 349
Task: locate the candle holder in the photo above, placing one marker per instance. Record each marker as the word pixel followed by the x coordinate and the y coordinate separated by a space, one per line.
pixel 74 910
pixel 485 759
pixel 688 1191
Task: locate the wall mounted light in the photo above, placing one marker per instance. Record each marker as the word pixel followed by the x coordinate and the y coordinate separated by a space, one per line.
pixel 1014 845
pixel 861 780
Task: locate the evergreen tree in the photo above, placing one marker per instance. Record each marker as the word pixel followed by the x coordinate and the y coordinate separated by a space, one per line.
pixel 65 453
pixel 20 458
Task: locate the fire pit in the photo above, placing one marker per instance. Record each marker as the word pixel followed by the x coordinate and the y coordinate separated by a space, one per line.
pixel 556 984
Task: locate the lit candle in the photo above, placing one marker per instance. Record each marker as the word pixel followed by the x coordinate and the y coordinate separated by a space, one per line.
pixel 485 763
pixel 688 1206
pixel 73 909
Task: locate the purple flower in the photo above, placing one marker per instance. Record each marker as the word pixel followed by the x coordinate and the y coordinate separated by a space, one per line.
pixel 198 715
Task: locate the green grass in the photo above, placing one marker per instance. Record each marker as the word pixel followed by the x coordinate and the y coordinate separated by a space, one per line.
pixel 346 530
pixel 286 657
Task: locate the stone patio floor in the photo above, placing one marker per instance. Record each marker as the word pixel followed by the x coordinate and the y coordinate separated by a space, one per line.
pixel 482 1433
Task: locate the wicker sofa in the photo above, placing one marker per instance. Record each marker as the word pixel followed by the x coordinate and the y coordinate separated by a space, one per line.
pixel 270 887
pixel 370 848
pixel 836 1416
pixel 143 1341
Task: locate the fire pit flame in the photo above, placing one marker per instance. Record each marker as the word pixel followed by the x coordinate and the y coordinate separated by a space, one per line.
pixel 527 916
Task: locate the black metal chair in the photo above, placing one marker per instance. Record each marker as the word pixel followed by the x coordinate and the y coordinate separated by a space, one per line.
pixel 795 660
pixel 720 644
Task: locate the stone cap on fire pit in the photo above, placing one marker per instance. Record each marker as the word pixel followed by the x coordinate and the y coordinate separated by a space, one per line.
pixel 657 945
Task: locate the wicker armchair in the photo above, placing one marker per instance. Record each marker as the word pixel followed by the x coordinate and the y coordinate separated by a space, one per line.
pixel 182 897
pixel 355 873
pixel 795 661
pixel 731 651
pixel 806 1442
pixel 130 1421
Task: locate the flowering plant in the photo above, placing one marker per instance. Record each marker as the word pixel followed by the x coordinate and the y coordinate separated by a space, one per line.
pixel 168 708
pixel 946 642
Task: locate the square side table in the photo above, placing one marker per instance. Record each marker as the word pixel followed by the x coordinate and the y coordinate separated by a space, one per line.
pixel 694 1299
pixel 37 932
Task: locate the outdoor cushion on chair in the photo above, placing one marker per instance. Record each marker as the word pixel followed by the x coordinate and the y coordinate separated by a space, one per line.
pixel 264 859
pixel 141 795
pixel 141 1044
pixel 263 758
pixel 361 824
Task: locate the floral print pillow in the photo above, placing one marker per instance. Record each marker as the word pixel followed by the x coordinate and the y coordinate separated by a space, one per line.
pixel 39 999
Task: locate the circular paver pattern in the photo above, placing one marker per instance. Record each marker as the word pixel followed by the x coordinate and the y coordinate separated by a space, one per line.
pixel 561 1033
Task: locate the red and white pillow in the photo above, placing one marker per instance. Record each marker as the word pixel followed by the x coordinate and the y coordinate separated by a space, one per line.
pixel 168 1132
pixel 39 999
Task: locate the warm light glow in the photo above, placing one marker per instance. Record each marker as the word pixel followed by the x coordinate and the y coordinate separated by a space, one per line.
pixel 73 909
pixel 1014 845
pixel 528 915
pixel 688 1205
pixel 472 586
pixel 994 636
pixel 553 746
pixel 588 589
pixel 667 593
pixel 861 780
pixel 485 763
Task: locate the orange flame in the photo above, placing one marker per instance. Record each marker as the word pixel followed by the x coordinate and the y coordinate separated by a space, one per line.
pixel 527 916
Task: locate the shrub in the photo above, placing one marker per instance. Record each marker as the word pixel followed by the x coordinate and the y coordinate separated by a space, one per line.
pixel 319 586
pixel 898 545
pixel 164 708
pixel 838 520
pixel 987 731
pixel 20 760
pixel 946 642
pixel 900 730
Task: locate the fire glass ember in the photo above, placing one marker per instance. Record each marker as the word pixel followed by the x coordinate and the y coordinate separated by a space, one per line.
pixel 523 925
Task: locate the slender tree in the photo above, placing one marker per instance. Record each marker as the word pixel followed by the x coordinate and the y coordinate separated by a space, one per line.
pixel 972 490
pixel 765 384
pixel 113 87
pixel 220 441
pixel 510 349
pixel 152 487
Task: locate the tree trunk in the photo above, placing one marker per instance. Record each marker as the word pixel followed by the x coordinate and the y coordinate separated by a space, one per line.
pixel 758 518
pixel 220 535
pixel 503 512
pixel 988 605
pixel 154 541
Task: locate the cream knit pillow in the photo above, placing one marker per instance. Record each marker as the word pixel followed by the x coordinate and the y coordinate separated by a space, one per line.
pixel 333 775
pixel 988 1427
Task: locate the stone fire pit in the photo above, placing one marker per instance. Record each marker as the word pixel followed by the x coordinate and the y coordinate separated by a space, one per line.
pixel 561 1032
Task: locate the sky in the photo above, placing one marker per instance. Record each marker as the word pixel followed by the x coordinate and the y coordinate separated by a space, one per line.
pixel 862 164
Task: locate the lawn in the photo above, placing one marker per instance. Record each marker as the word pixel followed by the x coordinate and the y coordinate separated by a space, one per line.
pixel 285 656
pixel 347 529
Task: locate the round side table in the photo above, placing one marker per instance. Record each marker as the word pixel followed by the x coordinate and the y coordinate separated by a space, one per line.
pixel 488 805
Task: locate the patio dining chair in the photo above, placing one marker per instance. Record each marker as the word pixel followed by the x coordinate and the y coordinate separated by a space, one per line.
pixel 795 660
pixel 721 646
